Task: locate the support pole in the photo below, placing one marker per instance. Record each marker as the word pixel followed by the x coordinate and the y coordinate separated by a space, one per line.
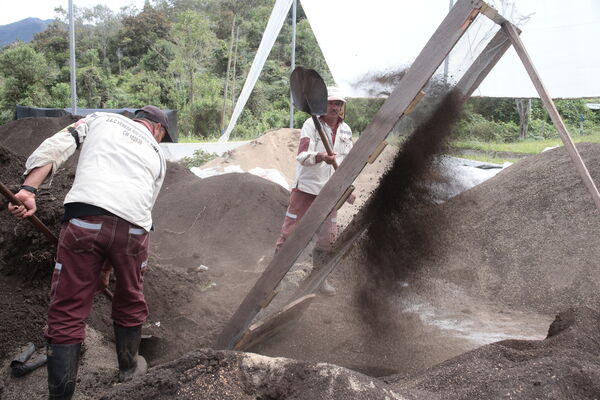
pixel 512 33
pixel 293 61
pixel 72 65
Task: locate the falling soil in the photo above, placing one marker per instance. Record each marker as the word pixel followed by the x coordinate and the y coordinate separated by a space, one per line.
pixel 402 219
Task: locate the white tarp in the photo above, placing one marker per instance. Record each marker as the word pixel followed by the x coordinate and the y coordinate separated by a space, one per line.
pixel 385 35
pixel 359 38
pixel 278 15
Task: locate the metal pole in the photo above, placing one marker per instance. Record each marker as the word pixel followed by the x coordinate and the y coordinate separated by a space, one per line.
pixel 447 59
pixel 293 63
pixel 72 59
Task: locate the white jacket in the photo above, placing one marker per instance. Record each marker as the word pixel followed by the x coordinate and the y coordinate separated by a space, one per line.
pixel 310 175
pixel 121 167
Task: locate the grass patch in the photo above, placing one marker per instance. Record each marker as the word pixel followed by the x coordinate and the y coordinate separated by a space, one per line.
pixel 527 146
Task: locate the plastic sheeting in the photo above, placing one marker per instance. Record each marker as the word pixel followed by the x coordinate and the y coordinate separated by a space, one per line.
pixel 278 15
pixel 362 41
pixel 26 111
pixel 560 37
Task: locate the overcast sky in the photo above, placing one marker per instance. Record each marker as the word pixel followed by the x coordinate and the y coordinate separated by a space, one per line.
pixel 13 11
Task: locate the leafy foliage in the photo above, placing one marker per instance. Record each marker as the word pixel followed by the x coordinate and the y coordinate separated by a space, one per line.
pixel 193 56
pixel 199 158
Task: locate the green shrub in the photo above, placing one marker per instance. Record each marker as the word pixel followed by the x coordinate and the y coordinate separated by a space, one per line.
pixel 541 129
pixel 474 126
pixel 199 158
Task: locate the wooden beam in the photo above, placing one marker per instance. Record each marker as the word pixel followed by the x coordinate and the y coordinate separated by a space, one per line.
pixel 437 48
pixel 415 102
pixel 268 327
pixel 271 325
pixel 492 14
pixel 483 64
pixel 314 282
pixel 512 33
pixel 377 152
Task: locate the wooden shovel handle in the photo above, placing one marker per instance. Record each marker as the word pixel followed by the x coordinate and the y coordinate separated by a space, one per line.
pixel 33 219
pixel 40 226
pixel 324 139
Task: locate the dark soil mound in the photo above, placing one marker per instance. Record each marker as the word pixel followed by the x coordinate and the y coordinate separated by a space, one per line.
pixel 227 375
pixel 216 221
pixel 26 257
pixel 529 236
pixel 24 135
pixel 566 365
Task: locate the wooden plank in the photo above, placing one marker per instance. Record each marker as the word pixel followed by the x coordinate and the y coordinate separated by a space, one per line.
pixel 414 103
pixel 377 152
pixel 483 64
pixel 437 48
pixel 492 14
pixel 270 325
pixel 512 33
pixel 313 283
pixel 266 328
pixel 344 197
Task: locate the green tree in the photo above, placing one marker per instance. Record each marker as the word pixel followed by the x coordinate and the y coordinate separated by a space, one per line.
pixel 27 76
pixel 139 33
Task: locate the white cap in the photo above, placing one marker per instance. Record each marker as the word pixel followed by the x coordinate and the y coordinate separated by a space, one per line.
pixel 334 93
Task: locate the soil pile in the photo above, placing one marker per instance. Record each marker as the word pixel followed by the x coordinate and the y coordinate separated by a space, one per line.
pixel 564 365
pixel 23 136
pixel 276 149
pixel 506 242
pixel 529 236
pixel 26 258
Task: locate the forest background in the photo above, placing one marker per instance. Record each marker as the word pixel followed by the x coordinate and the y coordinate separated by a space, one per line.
pixel 193 56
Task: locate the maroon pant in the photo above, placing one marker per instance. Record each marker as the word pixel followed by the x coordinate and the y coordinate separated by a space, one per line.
pixel 299 203
pixel 84 245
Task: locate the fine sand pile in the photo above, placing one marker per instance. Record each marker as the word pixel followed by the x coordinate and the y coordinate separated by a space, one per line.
pixel 276 149
pixel 499 254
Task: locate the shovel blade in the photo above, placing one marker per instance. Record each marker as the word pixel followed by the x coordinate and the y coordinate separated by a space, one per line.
pixel 309 92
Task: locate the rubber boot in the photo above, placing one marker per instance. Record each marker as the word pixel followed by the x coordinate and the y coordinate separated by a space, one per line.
pixel 62 363
pixel 319 260
pixel 131 364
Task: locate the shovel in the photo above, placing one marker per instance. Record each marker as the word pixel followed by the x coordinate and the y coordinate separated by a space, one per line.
pixel 40 226
pixel 309 94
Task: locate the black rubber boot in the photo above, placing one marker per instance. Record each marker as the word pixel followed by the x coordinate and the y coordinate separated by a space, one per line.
pixel 62 362
pixel 319 260
pixel 127 340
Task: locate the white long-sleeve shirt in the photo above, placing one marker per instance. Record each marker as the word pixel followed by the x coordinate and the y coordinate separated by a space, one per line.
pixel 310 175
pixel 121 167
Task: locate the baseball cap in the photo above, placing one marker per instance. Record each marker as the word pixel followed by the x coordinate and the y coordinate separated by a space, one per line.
pixel 157 115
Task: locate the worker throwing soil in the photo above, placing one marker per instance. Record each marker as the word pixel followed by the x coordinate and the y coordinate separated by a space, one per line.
pixel 107 217
pixel 313 170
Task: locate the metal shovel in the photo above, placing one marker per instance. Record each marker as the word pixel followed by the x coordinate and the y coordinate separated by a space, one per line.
pixel 309 94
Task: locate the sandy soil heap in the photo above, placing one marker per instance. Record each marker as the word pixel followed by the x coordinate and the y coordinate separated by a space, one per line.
pixel 522 241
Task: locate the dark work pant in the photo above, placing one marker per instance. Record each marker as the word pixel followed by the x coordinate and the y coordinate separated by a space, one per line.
pixel 84 245
pixel 297 206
